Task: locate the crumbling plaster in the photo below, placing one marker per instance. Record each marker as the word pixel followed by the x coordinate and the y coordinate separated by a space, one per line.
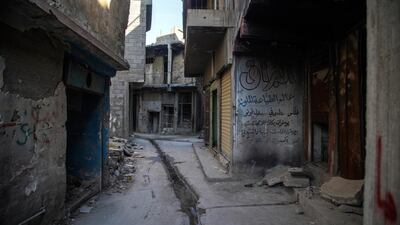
pixel 32 159
pixel 269 111
pixel 104 19
pixel 32 126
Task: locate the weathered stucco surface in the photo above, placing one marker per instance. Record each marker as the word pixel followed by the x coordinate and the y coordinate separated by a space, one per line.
pixel 106 20
pixel 382 179
pixel 269 112
pixel 32 127
pixel 178 75
pixel 155 71
pixel 42 66
pixel 135 53
pixel 32 159
pixel 33 140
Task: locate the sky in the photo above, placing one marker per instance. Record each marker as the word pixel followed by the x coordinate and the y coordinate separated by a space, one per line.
pixel 166 14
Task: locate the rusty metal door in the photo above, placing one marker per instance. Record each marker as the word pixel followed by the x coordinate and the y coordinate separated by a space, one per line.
pixel 351 107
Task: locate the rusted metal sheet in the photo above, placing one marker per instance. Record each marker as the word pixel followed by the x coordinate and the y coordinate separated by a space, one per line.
pixel 333 127
pixel 350 109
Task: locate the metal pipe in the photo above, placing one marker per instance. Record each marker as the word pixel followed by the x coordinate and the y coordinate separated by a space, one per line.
pixel 169 64
pixel 42 210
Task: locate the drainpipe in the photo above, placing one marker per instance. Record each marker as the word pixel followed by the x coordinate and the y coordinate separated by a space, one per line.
pixel 169 64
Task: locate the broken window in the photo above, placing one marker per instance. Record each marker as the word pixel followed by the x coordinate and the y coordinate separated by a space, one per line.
pixel 185 110
pixel 168 116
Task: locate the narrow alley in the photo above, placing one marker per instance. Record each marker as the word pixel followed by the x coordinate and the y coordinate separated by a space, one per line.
pixel 150 199
pixel 154 200
pixel 200 112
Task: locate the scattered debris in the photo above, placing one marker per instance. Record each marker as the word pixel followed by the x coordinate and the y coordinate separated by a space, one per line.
pixel 311 191
pixel 275 175
pixel 129 177
pixel 85 209
pixel 294 181
pixel 343 191
pixel 299 172
pixel 122 155
pixel 77 188
pixel 299 210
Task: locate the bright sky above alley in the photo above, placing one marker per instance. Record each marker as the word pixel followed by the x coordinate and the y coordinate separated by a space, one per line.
pixel 166 14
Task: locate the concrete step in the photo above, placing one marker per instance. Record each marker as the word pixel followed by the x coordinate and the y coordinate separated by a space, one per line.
pixel 212 169
pixel 324 212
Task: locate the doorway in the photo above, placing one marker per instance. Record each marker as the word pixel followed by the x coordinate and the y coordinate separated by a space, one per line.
pixel 84 144
pixel 154 118
pixel 133 111
pixel 320 115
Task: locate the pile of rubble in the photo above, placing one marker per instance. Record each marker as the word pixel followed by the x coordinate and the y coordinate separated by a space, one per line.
pixel 121 162
pixel 295 177
pixel 344 195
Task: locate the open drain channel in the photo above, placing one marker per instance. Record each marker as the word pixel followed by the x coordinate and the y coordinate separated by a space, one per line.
pixel 182 189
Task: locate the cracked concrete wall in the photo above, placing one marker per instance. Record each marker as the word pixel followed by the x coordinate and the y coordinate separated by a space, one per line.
pixel 106 20
pixel 382 178
pixel 178 76
pixel 32 127
pixel 150 102
pixel 269 112
pixel 135 54
pixel 155 71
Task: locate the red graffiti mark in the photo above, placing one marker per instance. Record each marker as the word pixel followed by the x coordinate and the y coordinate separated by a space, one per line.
pixel 10 124
pixel 46 118
pixel 387 204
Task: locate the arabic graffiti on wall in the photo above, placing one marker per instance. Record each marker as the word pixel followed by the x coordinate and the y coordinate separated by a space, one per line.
pixel 267 105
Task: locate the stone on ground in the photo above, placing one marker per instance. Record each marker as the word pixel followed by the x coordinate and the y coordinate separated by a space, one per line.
pixel 299 172
pixel 85 209
pixel 343 191
pixel 275 175
pixel 296 182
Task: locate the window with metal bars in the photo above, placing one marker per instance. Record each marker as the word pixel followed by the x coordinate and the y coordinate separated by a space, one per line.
pixel 168 116
pixel 185 110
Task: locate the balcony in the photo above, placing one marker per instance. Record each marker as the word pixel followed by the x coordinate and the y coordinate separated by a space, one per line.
pixel 205 31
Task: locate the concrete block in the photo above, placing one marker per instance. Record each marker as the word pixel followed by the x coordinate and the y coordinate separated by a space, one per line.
pixel 343 191
pixel 85 209
pixel 298 182
pixel 296 171
pixel 275 175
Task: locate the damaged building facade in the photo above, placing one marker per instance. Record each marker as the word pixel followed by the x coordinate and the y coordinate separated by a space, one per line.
pixel 56 62
pixel 286 82
pixel 167 102
pixel 121 120
pixel 281 92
